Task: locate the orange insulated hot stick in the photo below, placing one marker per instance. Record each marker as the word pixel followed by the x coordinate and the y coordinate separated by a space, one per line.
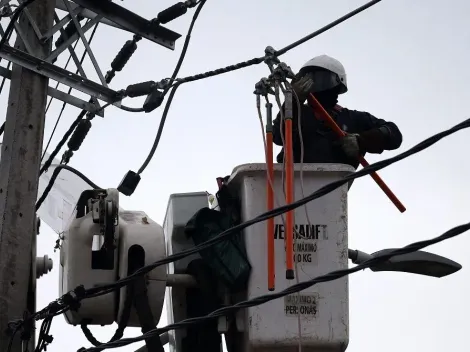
pixel 321 113
pixel 289 169
pixel 270 197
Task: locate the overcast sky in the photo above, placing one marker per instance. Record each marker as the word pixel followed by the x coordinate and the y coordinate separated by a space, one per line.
pixel 407 61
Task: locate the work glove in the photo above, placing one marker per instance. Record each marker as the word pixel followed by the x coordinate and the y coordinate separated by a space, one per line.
pixel 302 86
pixel 350 146
pixel 371 141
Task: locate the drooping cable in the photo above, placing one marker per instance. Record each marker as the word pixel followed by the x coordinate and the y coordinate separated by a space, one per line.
pixel 173 89
pixel 55 174
pixel 14 18
pixel 259 60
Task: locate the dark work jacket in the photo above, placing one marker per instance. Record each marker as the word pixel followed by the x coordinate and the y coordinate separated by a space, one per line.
pixel 319 140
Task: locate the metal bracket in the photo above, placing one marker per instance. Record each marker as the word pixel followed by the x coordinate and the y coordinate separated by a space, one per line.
pixel 71 39
pixel 59 74
pixel 66 19
pixel 130 21
pixel 62 96
pixel 114 16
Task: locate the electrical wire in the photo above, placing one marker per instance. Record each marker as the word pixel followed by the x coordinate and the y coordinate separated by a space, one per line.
pixel 173 89
pixel 160 129
pixel 71 129
pixel 331 276
pixel 54 307
pixel 258 60
pixel 11 24
pixel 55 174
pixel 186 41
pixel 82 59
pixel 44 338
pixel 61 143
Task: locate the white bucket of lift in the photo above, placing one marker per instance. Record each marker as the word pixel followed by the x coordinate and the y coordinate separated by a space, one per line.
pixel 320 247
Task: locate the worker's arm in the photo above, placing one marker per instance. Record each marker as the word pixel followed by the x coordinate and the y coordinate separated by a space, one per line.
pixel 376 134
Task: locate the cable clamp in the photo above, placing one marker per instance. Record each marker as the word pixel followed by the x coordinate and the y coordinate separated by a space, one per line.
pixel 281 73
pixel 270 57
pixel 264 87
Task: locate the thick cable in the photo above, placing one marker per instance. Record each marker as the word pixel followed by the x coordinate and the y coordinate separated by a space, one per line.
pixel 11 24
pixel 62 142
pixel 55 174
pixel 174 87
pixel 331 276
pixel 259 60
pixel 327 27
pixel 160 129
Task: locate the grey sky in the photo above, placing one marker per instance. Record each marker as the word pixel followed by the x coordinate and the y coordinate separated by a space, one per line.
pixel 407 61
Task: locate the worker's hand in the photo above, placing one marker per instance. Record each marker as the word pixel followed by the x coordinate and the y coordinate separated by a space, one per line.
pixel 350 146
pixel 374 140
pixel 302 86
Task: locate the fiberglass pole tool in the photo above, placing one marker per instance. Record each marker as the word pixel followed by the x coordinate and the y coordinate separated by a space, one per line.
pixel 289 169
pixel 270 195
pixel 323 114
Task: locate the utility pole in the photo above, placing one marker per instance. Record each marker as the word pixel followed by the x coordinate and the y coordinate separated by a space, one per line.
pixel 19 170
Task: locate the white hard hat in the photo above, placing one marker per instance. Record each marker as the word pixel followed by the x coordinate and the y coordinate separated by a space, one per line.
pixel 330 64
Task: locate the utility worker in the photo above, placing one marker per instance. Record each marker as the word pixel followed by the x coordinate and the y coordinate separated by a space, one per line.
pixel 325 78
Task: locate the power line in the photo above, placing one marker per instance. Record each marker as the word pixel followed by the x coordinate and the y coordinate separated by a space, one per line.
pixel 173 89
pixel 109 76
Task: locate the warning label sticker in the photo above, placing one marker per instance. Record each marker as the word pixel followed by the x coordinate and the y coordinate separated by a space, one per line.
pixel 303 304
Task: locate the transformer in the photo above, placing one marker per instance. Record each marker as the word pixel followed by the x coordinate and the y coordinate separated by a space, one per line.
pixel 99 247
